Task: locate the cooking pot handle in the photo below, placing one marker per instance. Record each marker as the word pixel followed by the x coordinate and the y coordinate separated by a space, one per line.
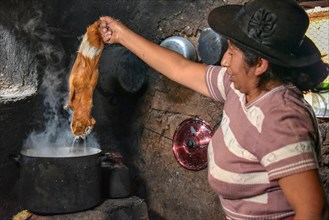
pixel 15 157
pixel 111 157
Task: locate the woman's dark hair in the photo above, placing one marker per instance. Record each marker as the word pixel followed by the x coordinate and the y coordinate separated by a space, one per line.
pixel 305 78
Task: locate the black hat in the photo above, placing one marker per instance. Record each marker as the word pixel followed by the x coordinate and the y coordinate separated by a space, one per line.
pixel 272 29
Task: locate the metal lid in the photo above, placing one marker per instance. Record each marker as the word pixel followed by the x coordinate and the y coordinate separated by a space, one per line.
pixel 190 143
pixel 180 45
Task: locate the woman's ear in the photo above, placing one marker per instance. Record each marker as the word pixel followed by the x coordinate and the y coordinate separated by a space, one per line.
pixel 261 66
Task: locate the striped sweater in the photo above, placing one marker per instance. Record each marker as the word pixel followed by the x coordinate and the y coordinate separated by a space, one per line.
pixel 256 144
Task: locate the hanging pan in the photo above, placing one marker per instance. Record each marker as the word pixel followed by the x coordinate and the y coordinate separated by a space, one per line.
pixel 211 47
pixel 180 45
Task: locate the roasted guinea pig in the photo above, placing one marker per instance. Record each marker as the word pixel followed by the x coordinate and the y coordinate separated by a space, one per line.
pixel 83 79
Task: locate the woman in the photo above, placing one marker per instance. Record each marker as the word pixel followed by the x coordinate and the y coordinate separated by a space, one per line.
pixel 262 160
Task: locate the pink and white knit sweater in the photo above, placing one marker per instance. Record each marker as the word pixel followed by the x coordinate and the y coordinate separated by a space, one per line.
pixel 258 143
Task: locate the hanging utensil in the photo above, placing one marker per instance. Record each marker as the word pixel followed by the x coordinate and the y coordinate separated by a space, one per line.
pixel 211 46
pixel 180 45
pixel 190 143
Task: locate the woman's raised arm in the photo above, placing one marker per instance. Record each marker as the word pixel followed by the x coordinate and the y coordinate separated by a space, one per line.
pixel 169 63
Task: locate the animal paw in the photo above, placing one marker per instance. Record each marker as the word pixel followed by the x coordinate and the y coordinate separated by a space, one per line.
pixel 66 107
pixel 88 130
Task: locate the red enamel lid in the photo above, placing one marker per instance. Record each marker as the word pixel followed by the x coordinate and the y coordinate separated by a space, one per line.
pixel 190 143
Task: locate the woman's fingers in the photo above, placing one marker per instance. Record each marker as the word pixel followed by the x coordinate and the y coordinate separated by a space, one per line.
pixel 110 29
pixel 105 30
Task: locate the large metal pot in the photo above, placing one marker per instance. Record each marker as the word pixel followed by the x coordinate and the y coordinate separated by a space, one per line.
pixel 59 180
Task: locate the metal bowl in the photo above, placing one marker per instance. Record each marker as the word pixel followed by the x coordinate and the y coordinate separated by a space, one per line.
pixel 211 46
pixel 180 45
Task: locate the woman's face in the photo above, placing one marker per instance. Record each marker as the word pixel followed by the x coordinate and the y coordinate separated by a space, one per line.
pixel 240 73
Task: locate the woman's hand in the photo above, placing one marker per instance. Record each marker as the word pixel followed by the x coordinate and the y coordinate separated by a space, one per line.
pixel 111 29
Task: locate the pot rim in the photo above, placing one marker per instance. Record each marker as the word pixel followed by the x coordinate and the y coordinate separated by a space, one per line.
pixel 60 152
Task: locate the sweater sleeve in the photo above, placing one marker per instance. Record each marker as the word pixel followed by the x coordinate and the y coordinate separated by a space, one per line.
pixel 217 82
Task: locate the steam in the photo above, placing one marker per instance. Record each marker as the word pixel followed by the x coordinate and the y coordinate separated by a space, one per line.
pixel 53 87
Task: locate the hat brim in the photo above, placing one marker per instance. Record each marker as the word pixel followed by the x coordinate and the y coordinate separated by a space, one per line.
pixel 223 21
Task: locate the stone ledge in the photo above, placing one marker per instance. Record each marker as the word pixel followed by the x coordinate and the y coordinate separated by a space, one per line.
pixel 133 208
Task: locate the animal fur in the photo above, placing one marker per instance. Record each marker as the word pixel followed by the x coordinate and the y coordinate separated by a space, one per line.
pixel 83 80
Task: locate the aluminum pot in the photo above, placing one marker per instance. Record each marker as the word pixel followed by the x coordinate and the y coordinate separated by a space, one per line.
pixel 180 45
pixel 211 46
pixel 59 180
